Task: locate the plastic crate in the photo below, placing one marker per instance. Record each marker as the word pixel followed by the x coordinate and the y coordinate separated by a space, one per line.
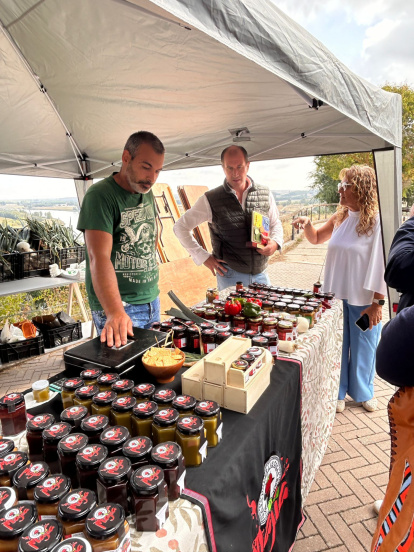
pixel 35 263
pixel 10 267
pixel 70 255
pixel 53 337
pixel 22 349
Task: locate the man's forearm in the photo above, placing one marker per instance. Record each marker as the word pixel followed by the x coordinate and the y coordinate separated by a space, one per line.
pixel 105 285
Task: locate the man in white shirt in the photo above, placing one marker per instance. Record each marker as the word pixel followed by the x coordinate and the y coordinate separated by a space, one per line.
pixel 228 210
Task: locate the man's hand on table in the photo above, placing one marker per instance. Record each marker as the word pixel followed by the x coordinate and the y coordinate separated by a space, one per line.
pixel 268 249
pixel 215 265
pixel 116 330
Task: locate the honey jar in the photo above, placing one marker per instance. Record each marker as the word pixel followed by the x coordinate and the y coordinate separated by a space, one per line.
pixel 101 403
pixel 212 294
pixel 169 457
pixel 75 544
pixel 8 498
pixel 67 449
pixel 51 436
pixel 191 437
pixel 90 376
pixel 113 439
pixel 84 396
pixel 123 387
pixel 106 380
pixel 92 427
pixel 112 482
pixel 163 425
pixel 143 391
pixel 138 450
pixel 40 390
pixel 74 415
pixel 27 477
pixel 13 522
pixel 6 446
pixel 121 412
pixel 43 536
pixel 149 498
pixel 9 465
pixel 184 404
pixel 142 416
pixel 210 413
pixel 12 414
pixel 107 529
pixel 69 387
pixel 34 429
pixel 164 397
pixel 73 509
pixel 48 493
pixel 87 463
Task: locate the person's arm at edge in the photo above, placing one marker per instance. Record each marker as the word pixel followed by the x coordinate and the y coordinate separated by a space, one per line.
pixel 275 230
pixel 399 272
pixel 313 235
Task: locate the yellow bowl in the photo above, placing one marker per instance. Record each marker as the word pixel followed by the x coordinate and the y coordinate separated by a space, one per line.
pixel 165 374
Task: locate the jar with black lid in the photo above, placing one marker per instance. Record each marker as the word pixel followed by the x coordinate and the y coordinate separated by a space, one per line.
pixel 51 436
pixel 84 395
pixel 166 326
pixel 12 414
pixel 87 463
pixel 210 413
pixel 121 411
pixel 179 336
pixel 67 449
pixel 34 428
pixel 222 336
pixel 74 415
pixel 149 498
pixel 112 482
pixel 73 509
pixel 107 529
pixel 69 387
pixel 13 522
pixel 101 403
pixel 9 465
pixel 293 308
pixel 78 544
pixel 193 339
pixel 320 296
pixel 27 477
pixel 164 397
pixel 8 498
pixel 90 376
pixel 210 314
pixel 106 380
pixel 329 297
pixel 6 446
pixel 208 337
pixel 163 425
pixel 247 357
pixel 267 305
pixel 239 332
pixel 255 351
pixel 142 416
pixel 156 326
pixel 223 317
pixel 199 311
pixel 184 404
pixel 123 387
pixel 285 330
pixel 92 426
pixel 222 327
pixel 191 437
pixel 113 437
pixel 279 306
pixel 272 342
pixel 48 493
pixel 43 536
pixel 317 307
pixel 251 333
pixel 143 391
pixel 169 457
pixel 138 450
pixel 206 326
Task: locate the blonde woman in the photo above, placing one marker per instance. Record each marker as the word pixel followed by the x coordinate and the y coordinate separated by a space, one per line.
pixel 355 273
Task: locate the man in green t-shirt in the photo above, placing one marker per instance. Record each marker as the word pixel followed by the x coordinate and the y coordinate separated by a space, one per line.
pixel 118 219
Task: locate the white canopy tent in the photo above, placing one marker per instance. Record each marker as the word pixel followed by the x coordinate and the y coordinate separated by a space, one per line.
pixel 78 77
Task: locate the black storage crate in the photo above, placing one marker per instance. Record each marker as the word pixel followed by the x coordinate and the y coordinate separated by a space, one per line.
pixel 35 263
pixel 70 255
pixel 53 337
pixel 19 350
pixel 10 267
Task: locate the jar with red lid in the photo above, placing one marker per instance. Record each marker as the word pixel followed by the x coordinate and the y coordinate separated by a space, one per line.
pixel 142 416
pixel 238 332
pixel 106 380
pixel 74 415
pixel 92 426
pixel 34 429
pixel 169 457
pixel 143 391
pixel 193 339
pixel 269 324
pixel 191 437
pixel 239 321
pixel 251 333
pixel 43 536
pixel 107 529
pixel 48 493
pixel 90 376
pixel 13 522
pixel 123 387
pixel 8 498
pixel 255 323
pixel 164 397
pixel 73 510
pixel 6 446
pixel 138 450
pixel 12 414
pixel 285 330
pixel 51 436
pixel 87 463
pixel 163 425
pixel 179 336
pixel 112 482
pixel 209 340
pixel 69 387
pixel 67 449
pixel 210 314
pixel 27 477
pixel 121 412
pixel 114 438
pixel 184 404
pixel 101 403
pixel 9 465
pixel 272 342
pixel 84 396
pixel 149 498
pixel 222 336
pixel 210 413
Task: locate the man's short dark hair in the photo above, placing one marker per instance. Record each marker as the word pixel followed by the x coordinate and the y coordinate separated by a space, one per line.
pixel 143 137
pixel 241 148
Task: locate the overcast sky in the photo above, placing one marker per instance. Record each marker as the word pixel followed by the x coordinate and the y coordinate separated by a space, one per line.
pixel 374 38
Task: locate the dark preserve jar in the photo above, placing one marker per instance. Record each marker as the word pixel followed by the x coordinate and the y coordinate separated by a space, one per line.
pixel 92 426
pixel 106 380
pixel 12 414
pixel 87 463
pixel 138 450
pixel 101 403
pixel 74 415
pixel 48 493
pixel 9 465
pixel 6 446
pixel 112 482
pixel 163 425
pixel 170 458
pixel 166 326
pixel 208 337
pixel 51 437
pixel 260 341
pixel 121 411
pixel 34 428
pixel 179 336
pixel 272 342
pixel 193 339
pixel 107 529
pixel 238 332
pixel 247 357
pixel 26 479
pixel 164 397
pixel 13 522
pixel 156 326
pixel 206 326
pixel 73 509
pixel 251 333
pixel 123 387
pixel 90 376
pixel 190 436
pixel 113 439
pixel 184 404
pixel 69 387
pixel 43 536
pixel 67 449
pixel 142 416
pixel 210 413
pixel 222 336
pixel 84 395
pixel 143 391
pixel 149 498
pixel 8 498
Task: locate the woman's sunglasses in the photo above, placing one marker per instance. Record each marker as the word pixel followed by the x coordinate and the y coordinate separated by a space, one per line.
pixel 343 185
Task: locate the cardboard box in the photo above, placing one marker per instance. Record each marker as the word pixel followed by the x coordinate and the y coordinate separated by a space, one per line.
pixel 218 362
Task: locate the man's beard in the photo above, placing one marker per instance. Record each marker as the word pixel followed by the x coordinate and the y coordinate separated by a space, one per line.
pixel 139 186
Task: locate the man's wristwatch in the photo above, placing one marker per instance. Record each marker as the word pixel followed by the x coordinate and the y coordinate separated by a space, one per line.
pixel 379 301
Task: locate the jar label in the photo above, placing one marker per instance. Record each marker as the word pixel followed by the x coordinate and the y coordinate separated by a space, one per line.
pixel 219 431
pixel 74 382
pixel 104 518
pixel 180 342
pixel 138 445
pixel 274 350
pixel 162 514
pixel 147 407
pixel 207 407
pixel 166 415
pixel 208 347
pixel 203 451
pixel 165 394
pixel 104 395
pixel 123 384
pixel 108 378
pixel 57 430
pixel 91 373
pixel 8 462
pixel 7 497
pixel 6 444
pixel 147 477
pixel 31 473
pixel 93 454
pixel 145 387
pixel 74 412
pixel 125 402
pixel 94 422
pixel 40 421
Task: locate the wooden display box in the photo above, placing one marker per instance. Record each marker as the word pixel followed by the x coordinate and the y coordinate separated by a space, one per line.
pixel 192 380
pixel 240 378
pixel 218 362
pixel 213 392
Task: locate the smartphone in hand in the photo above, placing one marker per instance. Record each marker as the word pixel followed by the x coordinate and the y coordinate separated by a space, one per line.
pixel 363 322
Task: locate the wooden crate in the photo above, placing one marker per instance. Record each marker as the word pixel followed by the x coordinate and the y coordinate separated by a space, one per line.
pixel 218 362
pixel 192 380
pixel 213 392
pixel 240 379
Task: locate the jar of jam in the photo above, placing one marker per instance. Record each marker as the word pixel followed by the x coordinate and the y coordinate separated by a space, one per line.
pixel 163 425
pixel 156 326
pixel 206 326
pixel 121 412
pixel 75 544
pixel 222 336
pixel 239 286
pixel 279 306
pixel 84 396
pixel 73 509
pixel 51 436
pixel 123 387
pixel 239 321
pixel 191 437
pixel 240 365
pixel 267 305
pixel 27 477
pixel 260 341
pixel 6 446
pixel 210 413
pixel 164 397
pixel 320 296
pixel 293 308
pixel 74 415
pixel 40 390
pixel 285 330
pixel 149 498
pixel 48 493
pixel 138 450
pixel 329 298
pixel 113 438
pixel 179 336
pixel 169 457
pixel 43 536
pixel 238 332
pixel 184 404
pixel 87 463
pixel 272 342
pixel 212 294
pixel 69 387
pixel 67 449
pixel 317 309
pixel 210 314
pixel 308 313
pixel 223 317
pixel 12 414
pixel 255 323
pixel 208 337
pixel 8 498
pixel 13 522
pixel 101 403
pixel 193 339
pixel 255 351
pixel 247 357
pixel 9 465
pixel 166 326
pixel 92 427
pixel 250 333
pixel 90 376
pixel 107 529
pixel 106 380
pixel 143 391
pixel 269 324
pixel 34 429
pixel 317 287
pixel 141 420
pixel 112 482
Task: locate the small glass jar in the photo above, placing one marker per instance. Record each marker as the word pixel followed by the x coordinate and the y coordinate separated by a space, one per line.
pixel 179 336
pixel 12 414
pixel 239 321
pixel 13 522
pixel 106 380
pixel 34 429
pixel 184 404
pixel 308 313
pixel 107 529
pixel 166 326
pixel 9 465
pixel 27 477
pixel 44 536
pixel 211 315
pixel 285 330
pixel 247 357
pixel 92 427
pixel 40 390
pixel 255 351
pixel 149 498
pixel 208 337
pixel 255 323
pixel 238 332
pixel 163 425
pixel 212 294
pixel 193 339
pixel 320 296
pixel 240 365
pixel 269 324
pixel 164 397
pixel 90 376
pixel 121 412
pixel 101 403
pixel 210 413
pixel 191 437
pixel 138 450
pixel 87 463
pixel 69 387
pixel 74 415
pixel 260 341
pixel 329 297
pixel 239 286
pixel 6 446
pixel 250 333
pixel 8 498
pixel 272 342
pixel 112 482
pixel 113 438
pixel 293 308
pixel 79 543
pixel 84 396
pixel 143 392
pixel 67 449
pixel 142 416
pixel 51 436
pixel 156 326
pixel 48 493
pixel 123 387
pixel 73 509
pixel 222 336
pixel 223 317
pixel 206 326
pixel 317 309
pixel 279 306
pixel 317 286
pixel 169 457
